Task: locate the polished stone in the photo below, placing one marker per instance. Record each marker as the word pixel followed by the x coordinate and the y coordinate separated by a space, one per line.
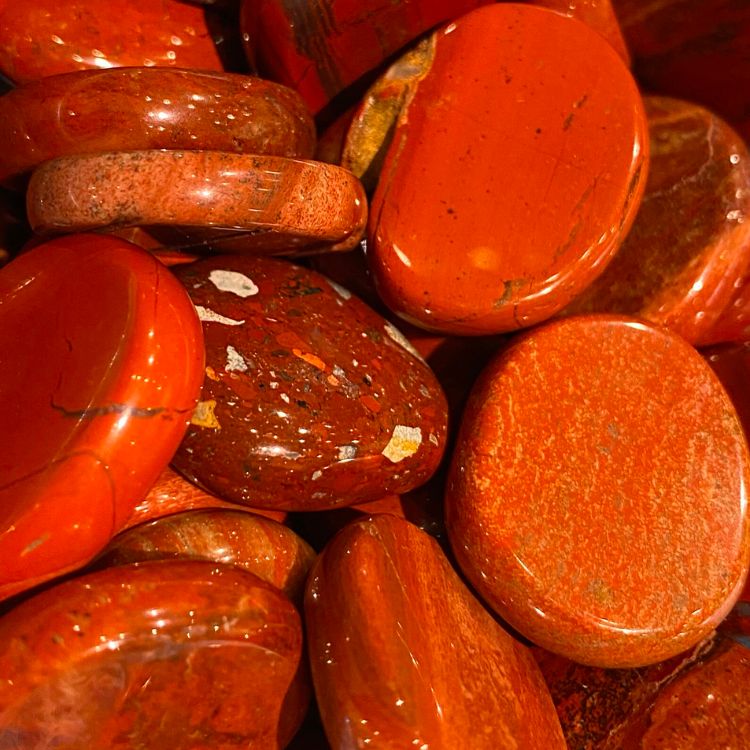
pixel 733 324
pixel 731 362
pixel 311 400
pixel 597 497
pixel 504 195
pixel 107 356
pixel 404 656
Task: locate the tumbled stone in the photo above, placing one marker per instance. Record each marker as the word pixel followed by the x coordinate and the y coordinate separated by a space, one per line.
pixel 731 362
pixel 404 656
pixel 259 545
pixel 504 194
pixel 733 324
pixel 45 37
pixel 175 655
pixel 262 204
pixel 597 492
pixel 320 47
pixel 311 400
pixel 107 356
pixel 123 109
pixel 690 243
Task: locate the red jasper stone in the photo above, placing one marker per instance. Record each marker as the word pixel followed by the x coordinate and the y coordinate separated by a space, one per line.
pixel 589 444
pixel 694 701
pixel 259 545
pixel 173 494
pixel 45 37
pixel 733 323
pixel 693 49
pixel 731 362
pixel 272 204
pixel 469 235
pixel 311 399
pixel 142 108
pixel 404 656
pixel 105 358
pixel 685 255
pixel 323 46
pixel 176 655
pixel 599 14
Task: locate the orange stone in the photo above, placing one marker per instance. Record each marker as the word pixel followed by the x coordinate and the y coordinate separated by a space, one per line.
pixel 173 655
pixel 262 204
pixel 733 324
pixel 504 194
pixel 686 254
pixel 404 656
pixel 597 497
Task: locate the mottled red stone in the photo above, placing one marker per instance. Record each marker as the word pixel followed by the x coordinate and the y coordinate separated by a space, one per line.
pixel 259 545
pixel 404 656
pixel 125 109
pixel 733 323
pixel 731 362
pixel 46 37
pixel 107 357
pixel 468 235
pixel 311 400
pixel 598 14
pixel 320 47
pixel 597 492
pixel 694 701
pixel 172 655
pixel 173 494
pixel 239 202
pixel 693 49
pixel 690 243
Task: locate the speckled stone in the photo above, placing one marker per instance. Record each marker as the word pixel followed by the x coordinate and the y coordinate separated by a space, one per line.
pixel 470 236
pixel 694 701
pixel 156 655
pixel 682 261
pixel 275 205
pixel 258 545
pixel 597 492
pixel 46 37
pixel 122 109
pixel 404 656
pixel 311 400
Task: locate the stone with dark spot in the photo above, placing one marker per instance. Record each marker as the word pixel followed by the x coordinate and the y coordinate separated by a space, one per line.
pixel 311 400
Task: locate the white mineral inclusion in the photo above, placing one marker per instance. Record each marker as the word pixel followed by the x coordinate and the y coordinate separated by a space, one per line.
pixel 401 340
pixel 235 361
pixel 209 316
pixel 234 282
pixel 404 442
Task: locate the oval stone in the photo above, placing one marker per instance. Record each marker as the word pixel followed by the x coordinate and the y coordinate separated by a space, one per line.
pixel 404 656
pixel 733 324
pixel 597 496
pixel 123 109
pixel 311 400
pixel 105 362
pixel 508 184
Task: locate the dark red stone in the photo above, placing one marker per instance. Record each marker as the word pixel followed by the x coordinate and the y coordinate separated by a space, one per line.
pixel 311 400
pixel 731 362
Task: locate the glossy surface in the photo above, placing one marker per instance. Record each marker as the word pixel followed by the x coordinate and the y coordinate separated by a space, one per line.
pixel 693 49
pixel 319 47
pixel 173 494
pixel 149 656
pixel 470 236
pixel 588 444
pixel 696 700
pixel 733 323
pixel 107 358
pixel 311 400
pixel 258 545
pixel 45 37
pixel 731 362
pixel 598 14
pixel 685 255
pixel 140 108
pixel 450 675
pixel 275 205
